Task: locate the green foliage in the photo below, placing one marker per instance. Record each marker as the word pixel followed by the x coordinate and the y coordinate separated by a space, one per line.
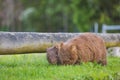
pixel 79 13
pixel 36 67
pixel 69 15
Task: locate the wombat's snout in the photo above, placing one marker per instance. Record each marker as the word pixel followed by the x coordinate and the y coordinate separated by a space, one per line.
pixel 51 56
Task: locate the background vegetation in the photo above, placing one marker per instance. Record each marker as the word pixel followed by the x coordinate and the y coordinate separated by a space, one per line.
pixel 36 67
pixel 57 16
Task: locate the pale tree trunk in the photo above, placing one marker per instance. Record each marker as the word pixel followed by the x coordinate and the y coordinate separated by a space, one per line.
pixel 10 14
pixel 18 11
pixel 8 11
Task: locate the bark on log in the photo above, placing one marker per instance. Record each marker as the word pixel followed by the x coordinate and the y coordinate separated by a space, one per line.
pixel 32 42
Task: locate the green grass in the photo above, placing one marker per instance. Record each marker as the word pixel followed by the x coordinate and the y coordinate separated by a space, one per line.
pixel 36 67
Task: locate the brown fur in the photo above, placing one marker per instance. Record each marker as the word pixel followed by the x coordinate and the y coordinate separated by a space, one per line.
pixel 83 48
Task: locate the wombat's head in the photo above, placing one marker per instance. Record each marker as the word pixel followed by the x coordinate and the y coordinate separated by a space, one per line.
pixel 52 55
pixel 59 53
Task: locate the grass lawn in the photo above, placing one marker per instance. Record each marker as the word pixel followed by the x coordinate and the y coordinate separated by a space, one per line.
pixel 36 67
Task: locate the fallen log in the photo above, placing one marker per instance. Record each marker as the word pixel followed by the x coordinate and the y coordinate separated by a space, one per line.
pixel 32 42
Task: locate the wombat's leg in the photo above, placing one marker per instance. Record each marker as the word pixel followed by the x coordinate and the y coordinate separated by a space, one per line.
pixel 68 60
pixel 69 56
pixel 103 62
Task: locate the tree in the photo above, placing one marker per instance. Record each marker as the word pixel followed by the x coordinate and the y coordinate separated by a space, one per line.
pixel 89 11
pixel 58 16
pixel 11 10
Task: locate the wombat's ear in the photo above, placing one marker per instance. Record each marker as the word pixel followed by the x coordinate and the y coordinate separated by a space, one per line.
pixel 58 46
pixel 61 44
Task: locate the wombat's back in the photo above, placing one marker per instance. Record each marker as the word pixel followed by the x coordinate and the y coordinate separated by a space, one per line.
pixel 90 48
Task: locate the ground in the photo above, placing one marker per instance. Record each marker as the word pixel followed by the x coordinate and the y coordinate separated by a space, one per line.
pixel 36 67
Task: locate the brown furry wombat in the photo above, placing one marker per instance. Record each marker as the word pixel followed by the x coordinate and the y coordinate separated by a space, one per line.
pixel 86 47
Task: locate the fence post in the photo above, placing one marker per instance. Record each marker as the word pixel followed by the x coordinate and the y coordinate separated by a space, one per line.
pixel 103 28
pixel 96 27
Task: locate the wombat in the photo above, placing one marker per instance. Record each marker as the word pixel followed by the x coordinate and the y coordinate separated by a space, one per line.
pixel 86 47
